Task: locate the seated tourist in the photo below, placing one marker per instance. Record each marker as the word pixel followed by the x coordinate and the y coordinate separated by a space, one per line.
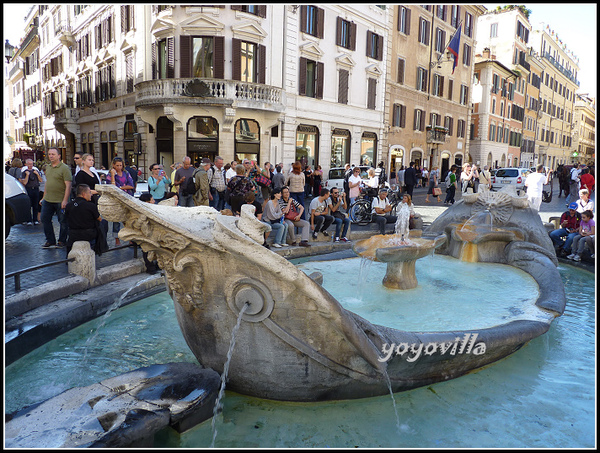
pixel 338 202
pixel 585 235
pixel 381 210
pixel 292 210
pixel 569 223
pixel 319 214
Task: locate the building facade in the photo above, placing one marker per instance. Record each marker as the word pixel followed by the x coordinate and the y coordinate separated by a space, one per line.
pixel 155 83
pixel 558 85
pixel 428 102
pixel 584 136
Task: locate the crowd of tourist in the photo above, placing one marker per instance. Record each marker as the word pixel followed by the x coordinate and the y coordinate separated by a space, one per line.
pixel 280 196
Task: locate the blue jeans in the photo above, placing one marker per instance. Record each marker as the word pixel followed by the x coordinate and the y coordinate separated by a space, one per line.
pixel 34 197
pixel 280 230
pixel 299 197
pixel 560 233
pixel 338 226
pixel 186 200
pixel 48 211
pixel 218 201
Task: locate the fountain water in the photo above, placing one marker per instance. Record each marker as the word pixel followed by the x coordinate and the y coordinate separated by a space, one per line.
pixel 218 406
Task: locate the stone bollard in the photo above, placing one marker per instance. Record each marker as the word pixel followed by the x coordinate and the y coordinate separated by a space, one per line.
pixel 85 261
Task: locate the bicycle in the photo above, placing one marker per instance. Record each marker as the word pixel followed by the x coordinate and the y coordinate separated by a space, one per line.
pixel 360 210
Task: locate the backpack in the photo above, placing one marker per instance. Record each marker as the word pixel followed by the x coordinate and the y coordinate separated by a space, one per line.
pixel 447 180
pixel 189 185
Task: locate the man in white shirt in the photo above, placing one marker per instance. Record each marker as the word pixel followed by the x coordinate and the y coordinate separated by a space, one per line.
pixel 381 209
pixel 319 213
pixel 231 172
pixel 573 184
pixel 535 185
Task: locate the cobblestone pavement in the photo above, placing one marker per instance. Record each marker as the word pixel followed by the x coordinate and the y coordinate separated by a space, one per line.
pixel 23 247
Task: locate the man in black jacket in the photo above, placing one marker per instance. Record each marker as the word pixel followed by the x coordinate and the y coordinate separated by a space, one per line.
pixel 83 218
pixel 410 178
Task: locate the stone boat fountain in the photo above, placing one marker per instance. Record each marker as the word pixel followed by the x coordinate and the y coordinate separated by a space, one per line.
pixel 295 341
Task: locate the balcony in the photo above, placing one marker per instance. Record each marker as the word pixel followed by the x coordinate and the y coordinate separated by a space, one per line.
pixel 209 92
pixel 436 134
pixel 66 120
pixel 568 74
pixel 65 34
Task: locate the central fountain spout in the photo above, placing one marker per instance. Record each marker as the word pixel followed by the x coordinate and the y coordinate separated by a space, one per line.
pixel 400 251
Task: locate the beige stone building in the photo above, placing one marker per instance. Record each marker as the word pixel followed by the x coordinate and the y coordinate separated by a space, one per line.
pixel 423 91
pixel 558 86
pixel 585 130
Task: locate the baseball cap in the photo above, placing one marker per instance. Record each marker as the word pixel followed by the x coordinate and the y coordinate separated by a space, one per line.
pixel 573 206
pixel 206 160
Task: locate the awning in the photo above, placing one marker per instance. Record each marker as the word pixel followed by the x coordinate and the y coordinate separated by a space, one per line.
pixel 23 146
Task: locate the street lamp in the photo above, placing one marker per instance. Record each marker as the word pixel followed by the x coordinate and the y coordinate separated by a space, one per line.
pixel 9 51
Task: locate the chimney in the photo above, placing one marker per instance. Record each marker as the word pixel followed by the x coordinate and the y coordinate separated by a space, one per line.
pixel 486 53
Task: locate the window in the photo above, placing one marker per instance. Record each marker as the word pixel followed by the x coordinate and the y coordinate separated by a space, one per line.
pixel 467 55
pixel 399 116
pixel 464 94
pixel 343 86
pixel 423 31
pixel 340 147
pixel 440 40
pixel 440 11
pixel 494 30
pixel 438 85
pixel 434 119
pixel 312 20
pixel 307 145
pixel 421 79
pixel 419 123
pixel 374 46
pixel 522 32
pixel 346 34
pixel 401 65
pixel 163 59
pixel 468 28
pixel 248 63
pixel 311 78
pixel 450 88
pixel 371 93
pixel 492 134
pixel 454 16
pixel 127 18
pixel 404 20
pixel 368 148
pixel 257 10
pixel 460 128
pixel 449 125
pixel 129 72
pixel 247 140
pixel 203 57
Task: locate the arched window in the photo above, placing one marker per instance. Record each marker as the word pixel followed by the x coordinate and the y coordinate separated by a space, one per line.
pixel 202 138
pixel 247 140
pixel 368 149
pixel 307 145
pixel 340 147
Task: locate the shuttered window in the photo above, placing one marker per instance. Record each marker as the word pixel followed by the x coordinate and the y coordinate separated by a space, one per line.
pixel 127 22
pixel 248 61
pixel 129 72
pixel 371 93
pixel 346 34
pixel 401 65
pixel 374 46
pixel 163 59
pixel 399 115
pixel 310 78
pixel 343 86
pixel 404 20
pixel 312 20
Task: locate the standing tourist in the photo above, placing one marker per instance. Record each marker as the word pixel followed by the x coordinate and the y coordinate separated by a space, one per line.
pixel 158 183
pixel 56 197
pixel 216 181
pixel 410 178
pixel 183 174
pixel 122 179
pixel 202 195
pixel 535 185
pixel 296 181
pixel 31 179
pixel 452 185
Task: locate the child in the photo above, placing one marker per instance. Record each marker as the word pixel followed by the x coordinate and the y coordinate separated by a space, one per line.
pixel 586 231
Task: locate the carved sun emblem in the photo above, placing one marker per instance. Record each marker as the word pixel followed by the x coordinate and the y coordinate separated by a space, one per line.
pixel 498 203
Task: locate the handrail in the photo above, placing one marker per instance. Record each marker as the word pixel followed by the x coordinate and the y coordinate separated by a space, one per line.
pixel 17 274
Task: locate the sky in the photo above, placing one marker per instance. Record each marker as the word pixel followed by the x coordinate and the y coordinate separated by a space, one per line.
pixel 575 24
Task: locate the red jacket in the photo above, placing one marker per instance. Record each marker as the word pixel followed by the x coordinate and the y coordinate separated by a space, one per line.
pixel 572 222
pixel 587 182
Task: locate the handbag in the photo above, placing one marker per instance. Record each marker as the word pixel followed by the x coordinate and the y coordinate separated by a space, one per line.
pixel 292 213
pixel 262 181
pixel 437 191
